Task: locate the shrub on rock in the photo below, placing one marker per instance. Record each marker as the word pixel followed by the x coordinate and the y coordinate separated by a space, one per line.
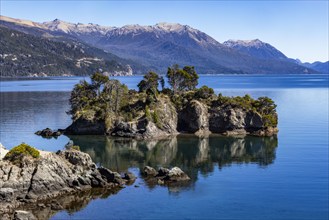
pixel 20 151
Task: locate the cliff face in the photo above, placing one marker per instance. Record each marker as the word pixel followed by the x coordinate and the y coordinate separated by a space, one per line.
pixel 196 117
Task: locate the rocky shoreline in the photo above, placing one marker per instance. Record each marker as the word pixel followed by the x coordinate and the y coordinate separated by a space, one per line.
pixel 40 180
pixel 36 188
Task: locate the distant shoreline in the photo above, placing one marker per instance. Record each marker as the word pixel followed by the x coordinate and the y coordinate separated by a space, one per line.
pixel 217 74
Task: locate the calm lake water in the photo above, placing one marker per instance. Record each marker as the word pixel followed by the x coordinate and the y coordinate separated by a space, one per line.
pixel 283 177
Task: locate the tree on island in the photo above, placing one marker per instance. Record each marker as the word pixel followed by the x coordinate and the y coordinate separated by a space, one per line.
pixel 182 79
pixel 97 99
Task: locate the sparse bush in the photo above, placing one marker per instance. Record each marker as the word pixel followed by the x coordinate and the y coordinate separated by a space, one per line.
pixel 204 92
pixel 18 152
pixel 147 112
pixel 75 147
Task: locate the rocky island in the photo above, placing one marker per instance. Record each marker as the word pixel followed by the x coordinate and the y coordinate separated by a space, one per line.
pixel 107 107
pixel 36 184
pixel 29 177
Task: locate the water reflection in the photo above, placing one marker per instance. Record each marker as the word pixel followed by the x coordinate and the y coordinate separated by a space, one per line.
pixel 191 153
pixel 71 203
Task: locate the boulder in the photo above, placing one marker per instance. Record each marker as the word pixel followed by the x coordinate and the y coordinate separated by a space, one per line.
pixel 149 171
pixel 165 175
pixel 129 176
pixel 47 132
pixel 193 118
pixel 23 215
pixel 176 175
pixel 83 126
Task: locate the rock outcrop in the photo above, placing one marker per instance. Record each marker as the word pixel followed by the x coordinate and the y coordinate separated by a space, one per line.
pixel 197 118
pixel 47 132
pixel 165 175
pixel 141 128
pixel 237 121
pixel 84 127
pixel 51 175
pixel 194 118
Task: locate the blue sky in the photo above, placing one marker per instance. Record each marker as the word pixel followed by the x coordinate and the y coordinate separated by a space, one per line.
pixel 297 28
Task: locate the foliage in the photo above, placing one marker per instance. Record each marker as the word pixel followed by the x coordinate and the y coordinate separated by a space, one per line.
pixel 97 80
pixel 263 105
pixel 18 152
pixel 204 92
pixel 75 147
pixel 182 79
pixel 147 112
pixel 98 99
pixel 150 84
pixel 81 98
pixel 156 118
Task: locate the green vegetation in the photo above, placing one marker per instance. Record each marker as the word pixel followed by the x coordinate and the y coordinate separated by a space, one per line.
pixel 109 100
pixel 75 147
pixel 17 153
pixel 98 100
pixel 263 105
pixel 182 79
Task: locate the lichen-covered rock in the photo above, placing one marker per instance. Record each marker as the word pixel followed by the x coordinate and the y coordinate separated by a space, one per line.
pixel 51 175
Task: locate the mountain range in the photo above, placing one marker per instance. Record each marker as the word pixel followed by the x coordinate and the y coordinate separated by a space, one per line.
pixel 135 49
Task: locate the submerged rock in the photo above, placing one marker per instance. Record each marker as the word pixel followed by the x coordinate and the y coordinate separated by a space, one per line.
pixel 51 175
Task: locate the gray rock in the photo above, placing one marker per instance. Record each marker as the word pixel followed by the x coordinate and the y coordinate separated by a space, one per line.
pixel 149 171
pixel 83 126
pixel 163 171
pixel 194 118
pixel 129 176
pixel 49 176
pixel 176 175
pixel 24 215
pixel 47 132
pixel 165 176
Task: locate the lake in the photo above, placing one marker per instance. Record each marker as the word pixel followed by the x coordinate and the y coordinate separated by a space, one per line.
pixel 282 177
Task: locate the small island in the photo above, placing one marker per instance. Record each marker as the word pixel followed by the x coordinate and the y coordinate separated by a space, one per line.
pixel 107 107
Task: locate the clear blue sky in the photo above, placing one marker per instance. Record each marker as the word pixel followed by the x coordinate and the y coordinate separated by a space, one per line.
pixel 298 28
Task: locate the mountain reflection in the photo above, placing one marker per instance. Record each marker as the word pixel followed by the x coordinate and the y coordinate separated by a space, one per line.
pixel 191 153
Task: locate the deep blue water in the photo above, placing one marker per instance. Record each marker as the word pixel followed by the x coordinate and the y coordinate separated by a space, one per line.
pixel 284 177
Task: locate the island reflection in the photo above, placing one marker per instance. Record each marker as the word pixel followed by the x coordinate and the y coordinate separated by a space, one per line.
pixel 191 153
pixel 194 155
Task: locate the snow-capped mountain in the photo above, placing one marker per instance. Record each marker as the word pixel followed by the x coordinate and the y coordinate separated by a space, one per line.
pixel 256 48
pixel 66 27
pixel 164 44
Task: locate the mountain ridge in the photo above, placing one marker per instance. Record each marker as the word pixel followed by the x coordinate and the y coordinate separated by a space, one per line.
pixel 161 45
